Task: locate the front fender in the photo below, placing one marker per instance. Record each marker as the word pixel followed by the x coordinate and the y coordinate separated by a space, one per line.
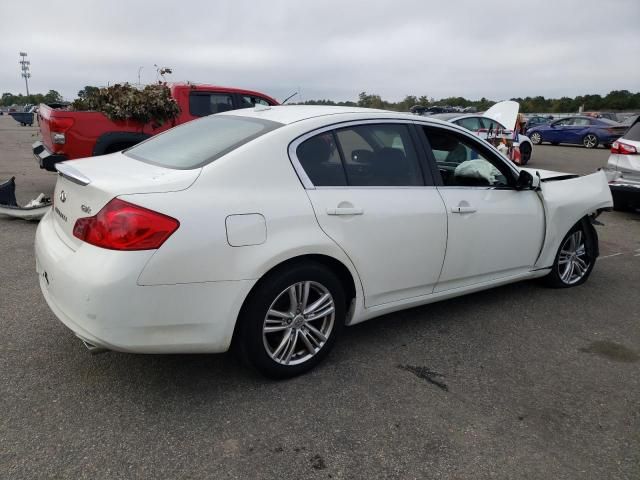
pixel 565 203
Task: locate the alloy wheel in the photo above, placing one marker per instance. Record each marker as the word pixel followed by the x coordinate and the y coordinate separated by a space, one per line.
pixel 536 138
pixel 573 261
pixel 298 323
pixel 590 140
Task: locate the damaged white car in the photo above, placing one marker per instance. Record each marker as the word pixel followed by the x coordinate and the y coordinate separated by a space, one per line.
pixel 274 227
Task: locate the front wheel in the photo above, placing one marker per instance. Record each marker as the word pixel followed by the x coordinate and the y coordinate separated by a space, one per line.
pixel 536 138
pixel 575 258
pixel 590 140
pixel 291 320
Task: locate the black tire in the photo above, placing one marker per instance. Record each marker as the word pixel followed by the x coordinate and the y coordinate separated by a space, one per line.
pixel 590 140
pixel 536 138
pixel 525 153
pixel 253 343
pixel 557 278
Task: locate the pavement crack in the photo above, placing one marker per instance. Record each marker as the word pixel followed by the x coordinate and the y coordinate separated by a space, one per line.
pixel 426 374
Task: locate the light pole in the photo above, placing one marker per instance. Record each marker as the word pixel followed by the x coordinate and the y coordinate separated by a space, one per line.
pixel 139 70
pixel 24 66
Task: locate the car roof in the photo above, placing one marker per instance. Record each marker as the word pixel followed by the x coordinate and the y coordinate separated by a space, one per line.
pixel 287 114
pixel 451 116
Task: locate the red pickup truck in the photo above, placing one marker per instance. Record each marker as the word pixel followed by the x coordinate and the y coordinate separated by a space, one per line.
pixel 67 135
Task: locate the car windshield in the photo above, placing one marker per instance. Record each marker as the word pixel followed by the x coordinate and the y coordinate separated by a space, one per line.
pixel 199 142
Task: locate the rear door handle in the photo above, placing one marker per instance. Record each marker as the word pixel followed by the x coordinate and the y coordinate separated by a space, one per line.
pixel 345 211
pixel 463 209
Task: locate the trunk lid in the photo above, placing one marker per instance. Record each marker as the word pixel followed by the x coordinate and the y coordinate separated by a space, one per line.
pixel 505 113
pixel 85 186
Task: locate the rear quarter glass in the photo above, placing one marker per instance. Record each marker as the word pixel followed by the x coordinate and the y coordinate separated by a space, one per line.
pixel 201 141
pixel 633 133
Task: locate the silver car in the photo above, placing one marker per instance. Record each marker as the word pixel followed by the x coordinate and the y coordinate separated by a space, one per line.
pixel 623 169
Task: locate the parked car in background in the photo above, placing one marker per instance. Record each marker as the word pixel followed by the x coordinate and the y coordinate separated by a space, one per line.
pixel 490 126
pixel 68 135
pixel 623 169
pixel 536 120
pixel 274 227
pixel 581 130
pixel 608 115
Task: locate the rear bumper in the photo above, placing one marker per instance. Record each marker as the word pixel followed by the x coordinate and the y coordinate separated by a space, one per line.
pixel 46 158
pixel 94 292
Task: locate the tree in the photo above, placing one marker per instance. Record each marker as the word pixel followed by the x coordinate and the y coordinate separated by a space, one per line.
pixel 52 97
pixel 87 91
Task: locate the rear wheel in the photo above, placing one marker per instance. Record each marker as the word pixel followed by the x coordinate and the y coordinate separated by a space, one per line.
pixel 536 138
pixel 590 140
pixel 291 320
pixel 575 259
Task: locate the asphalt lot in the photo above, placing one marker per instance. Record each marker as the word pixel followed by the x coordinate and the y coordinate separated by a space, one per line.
pixel 516 382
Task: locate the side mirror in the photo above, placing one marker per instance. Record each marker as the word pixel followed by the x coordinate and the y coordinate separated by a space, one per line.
pixel 526 181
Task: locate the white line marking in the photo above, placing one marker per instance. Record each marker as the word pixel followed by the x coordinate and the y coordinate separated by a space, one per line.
pixel 612 255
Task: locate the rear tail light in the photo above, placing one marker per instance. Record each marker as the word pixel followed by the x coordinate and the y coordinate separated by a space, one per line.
pixel 59 127
pixel 121 225
pixel 623 148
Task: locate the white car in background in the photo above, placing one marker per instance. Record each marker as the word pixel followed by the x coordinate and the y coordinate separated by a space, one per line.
pixel 491 125
pixel 276 226
pixel 623 169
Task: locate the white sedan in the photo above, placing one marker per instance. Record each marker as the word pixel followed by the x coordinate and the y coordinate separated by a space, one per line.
pixel 274 227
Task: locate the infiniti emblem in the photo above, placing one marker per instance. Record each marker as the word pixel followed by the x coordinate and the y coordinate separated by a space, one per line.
pixel 63 196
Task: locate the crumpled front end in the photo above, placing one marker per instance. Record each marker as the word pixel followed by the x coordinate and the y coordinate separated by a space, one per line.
pixel 567 200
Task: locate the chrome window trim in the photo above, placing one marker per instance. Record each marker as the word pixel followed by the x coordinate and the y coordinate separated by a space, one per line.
pixel 302 175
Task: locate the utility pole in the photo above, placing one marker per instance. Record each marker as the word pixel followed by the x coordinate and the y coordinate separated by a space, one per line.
pixel 139 70
pixel 24 66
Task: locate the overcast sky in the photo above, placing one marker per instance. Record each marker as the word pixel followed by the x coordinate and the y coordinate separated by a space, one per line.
pixel 329 49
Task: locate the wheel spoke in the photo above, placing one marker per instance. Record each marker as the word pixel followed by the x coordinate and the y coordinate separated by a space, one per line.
pixel 276 328
pixel 320 314
pixel 278 314
pixel 307 343
pixel 283 343
pixel 305 295
pixel 582 264
pixel 317 334
pixel 292 347
pixel 318 304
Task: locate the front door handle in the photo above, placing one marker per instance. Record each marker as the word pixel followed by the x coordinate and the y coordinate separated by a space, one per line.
pixel 463 209
pixel 345 211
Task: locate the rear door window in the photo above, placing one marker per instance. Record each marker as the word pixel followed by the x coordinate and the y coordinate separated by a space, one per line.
pixel 321 161
pixel 379 155
pixel 202 104
pixel 372 155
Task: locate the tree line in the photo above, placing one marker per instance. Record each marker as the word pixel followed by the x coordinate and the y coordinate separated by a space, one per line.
pixel 614 100
pixel 9 99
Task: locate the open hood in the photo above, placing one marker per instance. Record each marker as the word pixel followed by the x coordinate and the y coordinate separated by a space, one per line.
pixel 505 113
